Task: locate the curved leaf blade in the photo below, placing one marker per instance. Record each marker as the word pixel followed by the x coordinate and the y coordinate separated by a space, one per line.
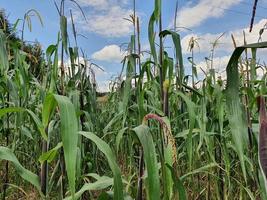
pixel 104 147
pixel 7 154
pixel 69 136
pixel 145 138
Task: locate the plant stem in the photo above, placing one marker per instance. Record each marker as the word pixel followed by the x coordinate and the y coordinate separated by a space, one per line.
pixel 141 172
pixel 44 167
pixel 161 63
pixel 6 179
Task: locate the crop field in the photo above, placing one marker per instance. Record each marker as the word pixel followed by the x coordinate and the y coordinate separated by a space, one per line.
pixel 160 132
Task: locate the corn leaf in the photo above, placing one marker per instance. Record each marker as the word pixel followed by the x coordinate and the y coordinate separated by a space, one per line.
pixel 7 154
pixel 235 111
pixel 151 38
pixel 100 184
pixel 50 155
pixel 68 130
pixel 263 137
pixel 64 33
pixel 157 9
pixel 153 183
pixel 3 53
pixel 34 117
pixel 106 150
pixel 178 50
pixel 69 136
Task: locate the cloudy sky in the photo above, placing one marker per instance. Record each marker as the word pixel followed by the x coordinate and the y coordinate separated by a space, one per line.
pixel 106 30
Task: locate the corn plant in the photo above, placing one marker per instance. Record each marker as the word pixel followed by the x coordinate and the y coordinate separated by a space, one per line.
pixel 155 135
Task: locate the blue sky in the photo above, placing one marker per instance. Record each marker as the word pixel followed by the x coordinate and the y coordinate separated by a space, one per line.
pixel 105 28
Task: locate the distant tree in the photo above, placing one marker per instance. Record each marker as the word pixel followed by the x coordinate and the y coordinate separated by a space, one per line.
pixel 6 27
pixel 34 51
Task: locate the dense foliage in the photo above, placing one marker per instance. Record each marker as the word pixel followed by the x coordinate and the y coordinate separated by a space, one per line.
pixel 158 134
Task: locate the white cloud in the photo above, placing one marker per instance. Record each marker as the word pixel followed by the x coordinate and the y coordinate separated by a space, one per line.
pixel 105 17
pixel 101 4
pixel 204 42
pixel 224 48
pixel 103 86
pixel 98 4
pixel 219 64
pixel 192 16
pixel 99 71
pixel 110 53
pixel 111 23
pixel 225 43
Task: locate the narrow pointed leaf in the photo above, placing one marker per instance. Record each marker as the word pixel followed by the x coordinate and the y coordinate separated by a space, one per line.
pixel 153 183
pixel 100 184
pixel 64 33
pixel 7 154
pixel 106 150
pixel 68 130
pixel 3 53
pixel 69 136
pixel 235 110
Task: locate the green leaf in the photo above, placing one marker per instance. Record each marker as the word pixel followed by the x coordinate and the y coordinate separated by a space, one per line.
pixel 3 53
pixel 7 154
pixel 119 137
pixel 50 155
pixel 48 107
pixel 253 71
pixel 128 82
pixel 5 111
pixel 50 50
pixel 100 184
pixel 113 121
pixel 199 170
pixel 179 189
pixel 235 110
pixel 38 123
pixel 192 118
pixel 157 9
pixel 34 117
pixel 146 140
pixel 68 130
pixel 106 150
pixel 64 33
pixel 25 131
pixel 168 177
pixel 69 136
pixel 178 50
pixel 151 37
